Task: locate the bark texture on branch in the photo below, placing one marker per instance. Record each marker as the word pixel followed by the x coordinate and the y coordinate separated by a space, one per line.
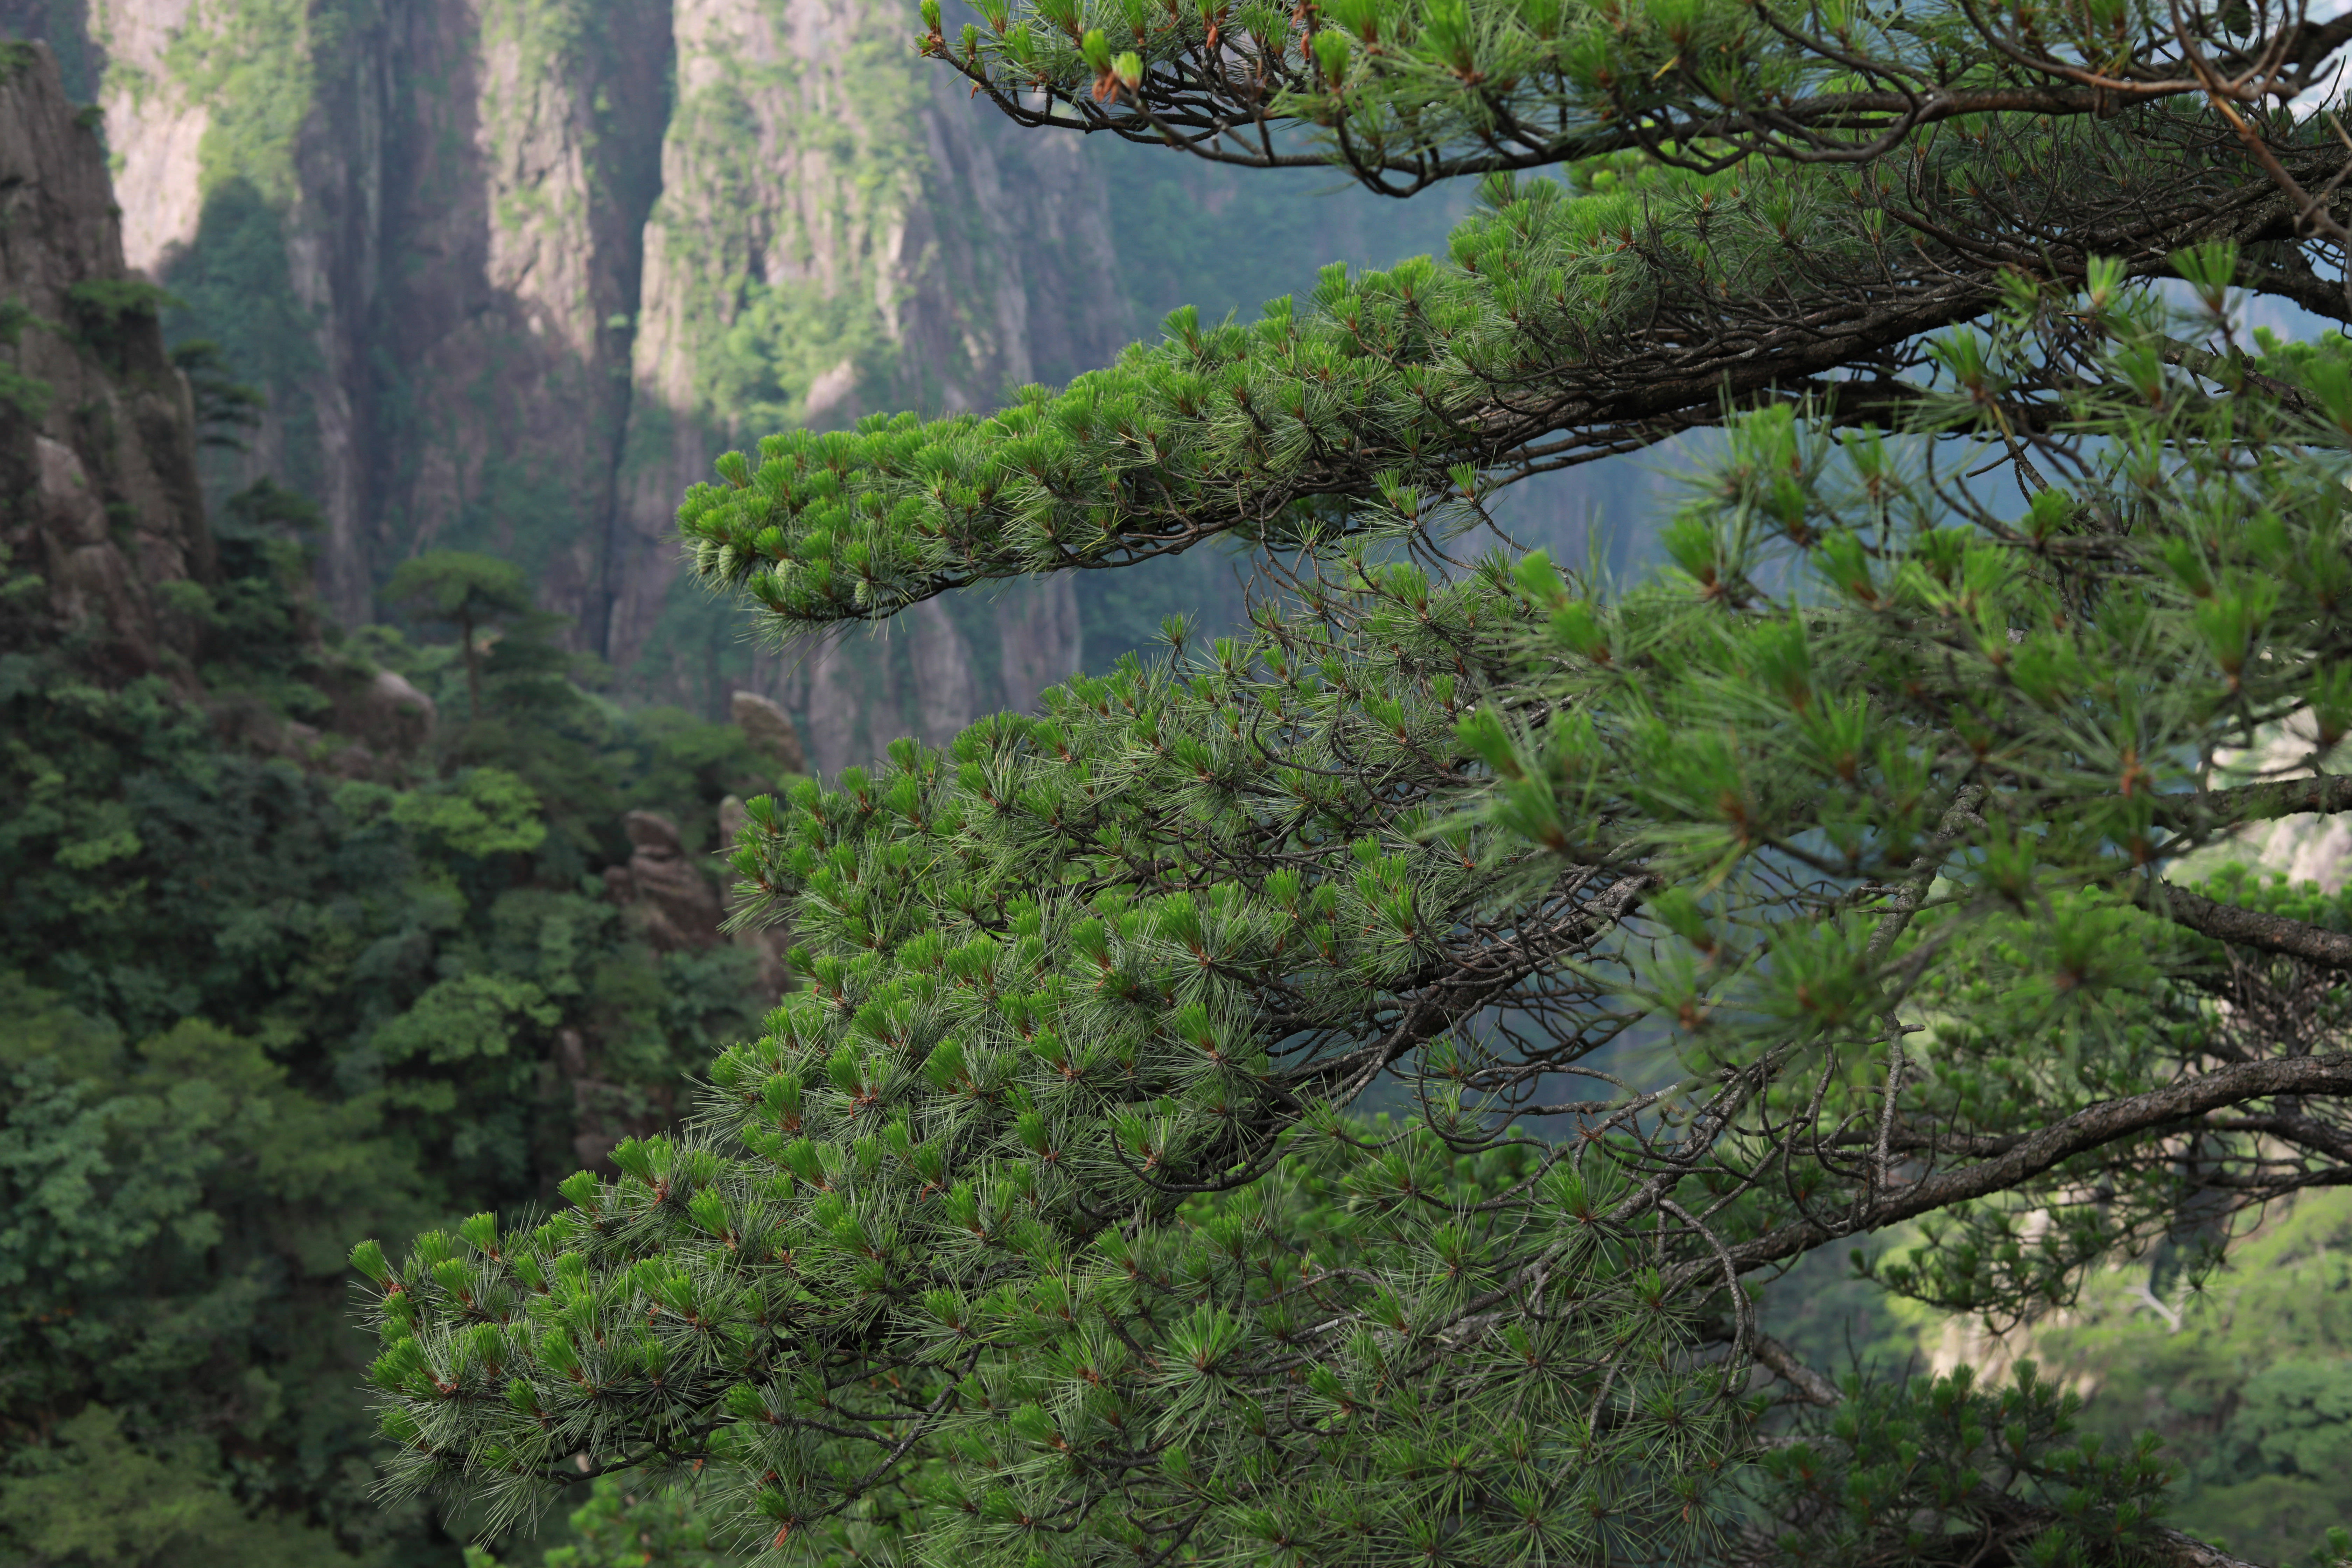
pixel 2252 928
pixel 2084 1130
pixel 2325 796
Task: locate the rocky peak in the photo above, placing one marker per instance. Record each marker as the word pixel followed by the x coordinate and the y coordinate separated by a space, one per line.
pixel 769 730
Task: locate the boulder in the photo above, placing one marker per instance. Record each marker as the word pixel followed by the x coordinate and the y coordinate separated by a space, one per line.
pixel 604 1112
pixel 769 730
pixel 676 906
pixel 391 716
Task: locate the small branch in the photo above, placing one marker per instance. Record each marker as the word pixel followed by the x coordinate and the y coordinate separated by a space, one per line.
pixel 1957 819
pixel 2084 1130
pixel 2327 794
pixel 2169 1313
pixel 2162 1545
pixel 1807 1384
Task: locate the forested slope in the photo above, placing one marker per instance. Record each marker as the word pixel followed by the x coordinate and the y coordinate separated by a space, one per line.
pixel 295 932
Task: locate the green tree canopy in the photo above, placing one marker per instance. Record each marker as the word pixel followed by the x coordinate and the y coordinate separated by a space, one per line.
pixel 1824 880
pixel 247 1005
pixel 465 590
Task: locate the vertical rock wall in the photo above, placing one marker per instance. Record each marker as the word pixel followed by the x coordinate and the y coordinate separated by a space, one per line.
pixel 837 235
pixel 524 159
pixel 101 514
pixel 513 272
pixel 241 131
pixel 417 225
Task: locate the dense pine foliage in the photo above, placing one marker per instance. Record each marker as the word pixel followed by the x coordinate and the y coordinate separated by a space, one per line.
pixel 1813 888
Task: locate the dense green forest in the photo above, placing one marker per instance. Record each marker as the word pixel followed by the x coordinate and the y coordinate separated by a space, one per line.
pixel 248 995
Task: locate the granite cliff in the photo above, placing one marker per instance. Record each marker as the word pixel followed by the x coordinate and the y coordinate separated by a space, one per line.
pixel 511 273
pixel 100 511
pixel 106 549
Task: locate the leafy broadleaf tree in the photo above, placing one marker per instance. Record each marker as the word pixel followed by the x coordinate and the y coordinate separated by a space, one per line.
pixel 1814 885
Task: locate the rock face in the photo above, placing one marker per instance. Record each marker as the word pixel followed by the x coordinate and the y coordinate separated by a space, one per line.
pixel 766 943
pixel 769 730
pixel 513 272
pixel 387 714
pixel 416 226
pixel 98 492
pixel 674 903
pixel 101 503
pixel 838 234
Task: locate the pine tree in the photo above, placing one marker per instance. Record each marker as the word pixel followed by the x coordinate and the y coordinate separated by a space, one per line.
pixel 467 590
pixel 1835 877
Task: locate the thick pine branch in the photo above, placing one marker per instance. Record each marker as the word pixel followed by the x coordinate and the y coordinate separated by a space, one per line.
pixel 1562 331
pixel 1403 94
pixel 2258 929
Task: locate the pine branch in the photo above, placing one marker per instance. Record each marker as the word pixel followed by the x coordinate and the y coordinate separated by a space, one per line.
pixel 2324 795
pixel 1513 90
pixel 1362 414
pixel 2257 929
pixel 2099 1125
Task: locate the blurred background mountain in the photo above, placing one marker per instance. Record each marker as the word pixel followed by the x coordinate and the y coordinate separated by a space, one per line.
pixel 508 274
pixel 364 747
